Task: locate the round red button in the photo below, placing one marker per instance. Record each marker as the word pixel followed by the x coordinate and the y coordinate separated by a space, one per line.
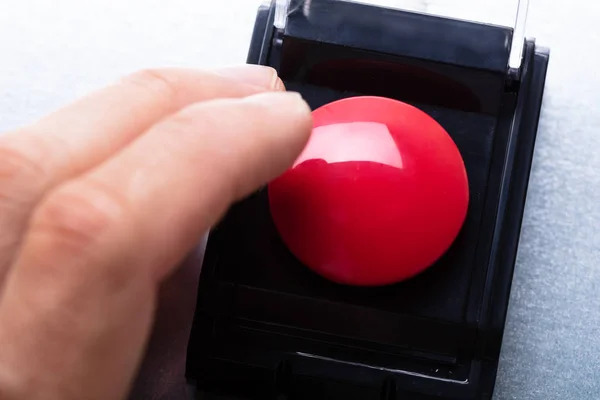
pixel 377 196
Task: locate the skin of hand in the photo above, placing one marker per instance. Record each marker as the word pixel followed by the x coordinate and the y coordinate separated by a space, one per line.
pixel 101 200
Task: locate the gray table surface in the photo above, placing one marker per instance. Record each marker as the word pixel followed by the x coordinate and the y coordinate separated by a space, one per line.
pixel 53 52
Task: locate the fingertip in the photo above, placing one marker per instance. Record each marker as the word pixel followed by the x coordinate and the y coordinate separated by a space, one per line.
pixel 290 105
pixel 256 75
pixel 279 85
pixel 284 124
pixel 292 117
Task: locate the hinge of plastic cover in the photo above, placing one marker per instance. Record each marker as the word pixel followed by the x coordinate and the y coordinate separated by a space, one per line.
pixel 281 13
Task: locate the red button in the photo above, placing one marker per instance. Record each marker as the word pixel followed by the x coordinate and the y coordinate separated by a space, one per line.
pixel 378 195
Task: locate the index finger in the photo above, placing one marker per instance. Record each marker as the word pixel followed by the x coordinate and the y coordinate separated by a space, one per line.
pixel 80 136
pixel 80 299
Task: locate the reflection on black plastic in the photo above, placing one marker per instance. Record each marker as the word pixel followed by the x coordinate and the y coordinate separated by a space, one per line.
pixel 390 31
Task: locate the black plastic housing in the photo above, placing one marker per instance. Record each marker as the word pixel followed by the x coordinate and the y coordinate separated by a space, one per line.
pixel 267 328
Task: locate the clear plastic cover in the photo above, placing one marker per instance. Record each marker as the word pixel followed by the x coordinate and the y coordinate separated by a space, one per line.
pixel 508 13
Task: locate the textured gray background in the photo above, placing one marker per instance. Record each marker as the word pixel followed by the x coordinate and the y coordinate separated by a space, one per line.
pixel 53 52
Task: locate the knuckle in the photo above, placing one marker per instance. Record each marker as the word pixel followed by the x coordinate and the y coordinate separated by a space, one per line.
pixel 15 162
pixel 83 239
pixel 79 215
pixel 155 81
pixel 20 174
pixel 181 125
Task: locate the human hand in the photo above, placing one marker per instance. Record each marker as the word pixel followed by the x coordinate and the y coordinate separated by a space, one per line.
pixel 101 200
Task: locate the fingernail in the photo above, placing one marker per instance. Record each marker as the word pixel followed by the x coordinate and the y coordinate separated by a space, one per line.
pixel 256 75
pixel 279 85
pixel 284 101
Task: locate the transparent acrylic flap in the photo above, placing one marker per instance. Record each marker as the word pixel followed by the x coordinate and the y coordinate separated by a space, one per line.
pixel 507 13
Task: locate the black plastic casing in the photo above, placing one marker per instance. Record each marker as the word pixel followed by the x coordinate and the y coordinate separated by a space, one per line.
pixel 267 328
